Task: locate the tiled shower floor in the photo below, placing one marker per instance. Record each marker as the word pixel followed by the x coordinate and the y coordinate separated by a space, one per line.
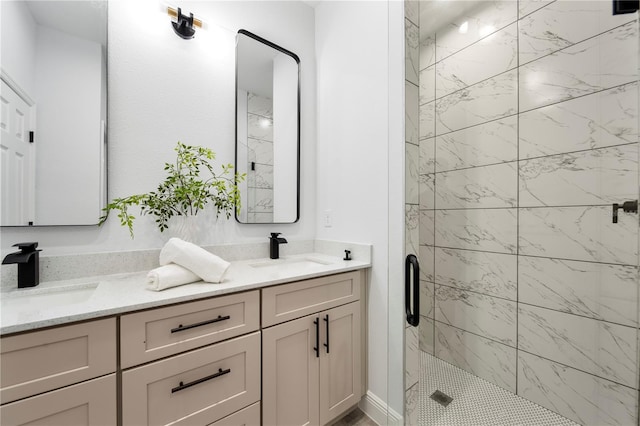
pixel 475 401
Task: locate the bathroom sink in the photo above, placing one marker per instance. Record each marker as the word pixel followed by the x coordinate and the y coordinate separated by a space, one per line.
pixel 47 298
pixel 289 265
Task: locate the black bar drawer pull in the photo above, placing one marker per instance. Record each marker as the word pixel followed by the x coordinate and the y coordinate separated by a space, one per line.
pixel 326 320
pixel 199 324
pixel 316 322
pixel 183 386
pixel 413 318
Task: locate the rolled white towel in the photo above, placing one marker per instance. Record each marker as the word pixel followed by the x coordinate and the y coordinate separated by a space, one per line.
pixel 206 265
pixel 168 276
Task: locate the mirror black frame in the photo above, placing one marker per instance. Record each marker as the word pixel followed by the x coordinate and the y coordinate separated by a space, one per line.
pixel 297 59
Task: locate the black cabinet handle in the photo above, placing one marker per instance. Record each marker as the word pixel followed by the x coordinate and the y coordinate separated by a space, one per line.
pixel 199 324
pixel 183 386
pixel 413 318
pixel 317 348
pixel 326 320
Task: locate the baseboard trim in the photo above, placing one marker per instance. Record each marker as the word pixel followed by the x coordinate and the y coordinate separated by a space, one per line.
pixel 378 411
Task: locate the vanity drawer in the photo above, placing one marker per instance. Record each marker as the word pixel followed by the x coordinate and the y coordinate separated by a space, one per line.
pixel 197 387
pixel 157 333
pixel 249 416
pixel 289 301
pixel 87 403
pixel 40 361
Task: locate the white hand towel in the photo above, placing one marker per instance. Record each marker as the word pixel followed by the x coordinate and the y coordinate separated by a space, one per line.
pixel 168 276
pixel 206 265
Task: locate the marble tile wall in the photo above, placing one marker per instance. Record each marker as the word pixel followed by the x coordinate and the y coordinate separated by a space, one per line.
pixel 259 201
pixel 528 132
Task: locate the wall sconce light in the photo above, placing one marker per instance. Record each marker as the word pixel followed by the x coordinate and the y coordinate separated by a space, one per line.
pixel 184 25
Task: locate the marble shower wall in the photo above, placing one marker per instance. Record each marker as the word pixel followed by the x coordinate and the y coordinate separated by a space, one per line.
pixel 412 196
pixel 260 150
pixel 528 132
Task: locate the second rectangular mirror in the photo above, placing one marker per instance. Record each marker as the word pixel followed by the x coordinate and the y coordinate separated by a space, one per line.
pixel 267 130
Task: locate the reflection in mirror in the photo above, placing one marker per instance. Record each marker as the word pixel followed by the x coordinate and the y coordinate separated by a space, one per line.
pixel 53 101
pixel 267 130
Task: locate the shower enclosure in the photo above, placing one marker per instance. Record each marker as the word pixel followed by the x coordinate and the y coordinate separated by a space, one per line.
pixel 521 141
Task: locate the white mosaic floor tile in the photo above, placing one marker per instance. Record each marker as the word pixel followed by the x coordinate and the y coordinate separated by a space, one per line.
pixel 475 401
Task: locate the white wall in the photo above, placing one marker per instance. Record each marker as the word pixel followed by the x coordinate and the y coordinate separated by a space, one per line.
pixel 353 166
pixel 69 104
pixel 19 44
pixel 163 89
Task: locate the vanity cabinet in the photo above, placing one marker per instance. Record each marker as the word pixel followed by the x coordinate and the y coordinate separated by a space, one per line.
pixel 249 416
pixel 287 354
pixel 53 376
pixel 290 374
pixel 156 333
pixel 195 388
pixel 88 403
pixel 290 301
pixel 205 361
pixel 312 365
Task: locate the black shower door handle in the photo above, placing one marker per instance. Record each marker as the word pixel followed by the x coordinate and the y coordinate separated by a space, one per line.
pixel 413 315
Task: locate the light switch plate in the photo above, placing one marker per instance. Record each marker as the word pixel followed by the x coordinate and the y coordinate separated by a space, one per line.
pixel 327 218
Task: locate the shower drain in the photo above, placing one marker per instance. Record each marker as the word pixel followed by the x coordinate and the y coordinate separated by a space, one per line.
pixel 441 398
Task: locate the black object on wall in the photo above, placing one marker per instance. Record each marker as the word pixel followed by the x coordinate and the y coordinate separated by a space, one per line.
pixel 184 25
pixel 627 207
pixel 625 6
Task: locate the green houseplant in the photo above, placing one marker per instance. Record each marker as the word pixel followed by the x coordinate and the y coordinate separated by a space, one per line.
pixel 191 184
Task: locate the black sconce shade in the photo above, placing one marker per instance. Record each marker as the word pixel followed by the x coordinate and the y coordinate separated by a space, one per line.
pixel 184 25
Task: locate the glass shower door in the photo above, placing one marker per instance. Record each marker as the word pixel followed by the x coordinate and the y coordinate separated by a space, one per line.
pixel 522 135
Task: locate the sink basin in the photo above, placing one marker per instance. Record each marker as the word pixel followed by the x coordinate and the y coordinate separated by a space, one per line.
pixel 289 265
pixel 43 298
pixel 299 261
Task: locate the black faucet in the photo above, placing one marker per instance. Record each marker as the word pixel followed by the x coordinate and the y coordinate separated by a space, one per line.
pixel 274 245
pixel 28 260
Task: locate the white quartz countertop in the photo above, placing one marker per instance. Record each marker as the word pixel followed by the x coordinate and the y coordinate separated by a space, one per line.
pixel 61 302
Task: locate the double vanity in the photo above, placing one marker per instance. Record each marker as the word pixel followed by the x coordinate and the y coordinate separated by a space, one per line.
pixel 278 342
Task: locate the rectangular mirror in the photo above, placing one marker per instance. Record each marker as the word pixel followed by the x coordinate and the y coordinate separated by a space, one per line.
pixel 53 112
pixel 267 130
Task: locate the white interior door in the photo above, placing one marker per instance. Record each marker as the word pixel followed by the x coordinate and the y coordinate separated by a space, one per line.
pixel 17 173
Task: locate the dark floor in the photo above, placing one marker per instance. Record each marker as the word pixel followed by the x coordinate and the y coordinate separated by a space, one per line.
pixel 355 418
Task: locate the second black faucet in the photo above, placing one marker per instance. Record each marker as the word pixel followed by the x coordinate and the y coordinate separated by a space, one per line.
pixel 274 245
